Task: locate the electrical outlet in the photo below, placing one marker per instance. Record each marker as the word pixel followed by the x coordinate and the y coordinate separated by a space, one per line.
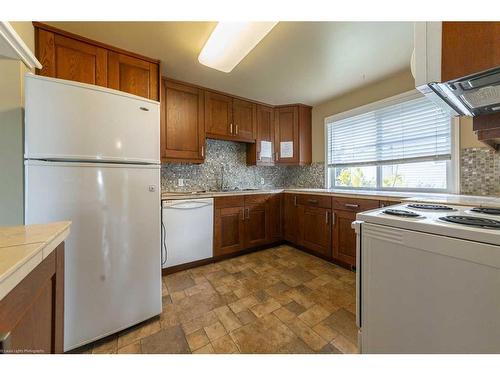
pixel 262 182
pixel 180 182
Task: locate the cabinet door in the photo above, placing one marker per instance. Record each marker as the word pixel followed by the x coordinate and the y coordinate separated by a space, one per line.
pixel 133 75
pixel 244 120
pixel 256 153
pixel 218 115
pixel 315 229
pixel 287 135
pixel 182 123
pixel 256 225
pixel 229 230
pixel 344 237
pixel 71 59
pixel 275 217
pixel 290 218
pixel 469 47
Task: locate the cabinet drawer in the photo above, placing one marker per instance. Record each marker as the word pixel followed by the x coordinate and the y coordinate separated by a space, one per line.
pixel 256 198
pixel 314 200
pixel 354 204
pixel 234 201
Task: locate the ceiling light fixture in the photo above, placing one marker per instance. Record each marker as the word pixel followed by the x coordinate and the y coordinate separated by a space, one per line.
pixel 230 42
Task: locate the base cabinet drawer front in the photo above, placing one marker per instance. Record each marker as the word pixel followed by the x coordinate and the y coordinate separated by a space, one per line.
pixel 32 314
pixel 256 225
pixel 344 237
pixel 354 204
pixel 229 230
pixel 314 200
pixel 315 229
pixel 234 201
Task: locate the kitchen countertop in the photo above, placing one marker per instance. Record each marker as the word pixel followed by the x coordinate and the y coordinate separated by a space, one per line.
pixel 456 199
pixel 24 247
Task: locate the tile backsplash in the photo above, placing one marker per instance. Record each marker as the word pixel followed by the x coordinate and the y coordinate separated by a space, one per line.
pixel 479 171
pixel 228 159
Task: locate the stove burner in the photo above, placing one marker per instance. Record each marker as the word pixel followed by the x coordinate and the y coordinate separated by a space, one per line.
pixel 486 210
pixel 403 213
pixel 436 207
pixel 472 221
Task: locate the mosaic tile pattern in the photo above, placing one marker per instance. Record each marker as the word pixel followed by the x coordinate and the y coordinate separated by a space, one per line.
pixel 279 300
pixel 480 171
pixel 232 157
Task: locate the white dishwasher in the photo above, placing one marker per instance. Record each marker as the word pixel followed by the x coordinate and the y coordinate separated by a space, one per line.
pixel 187 230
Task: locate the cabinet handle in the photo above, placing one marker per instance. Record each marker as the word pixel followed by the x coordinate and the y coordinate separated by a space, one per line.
pixel 295 200
pixel 202 151
pixel 326 217
pixel 351 205
pixel 236 129
pixel 313 201
pixel 144 109
pixel 231 128
pixel 248 213
pixel 258 155
pixel 242 214
pixel 333 218
pixel 4 342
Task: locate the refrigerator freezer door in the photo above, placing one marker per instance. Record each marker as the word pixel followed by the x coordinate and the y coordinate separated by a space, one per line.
pixel 113 264
pixel 74 121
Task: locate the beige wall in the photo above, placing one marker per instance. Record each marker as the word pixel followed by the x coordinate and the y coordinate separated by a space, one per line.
pixel 396 84
pixel 11 132
pixel 467 137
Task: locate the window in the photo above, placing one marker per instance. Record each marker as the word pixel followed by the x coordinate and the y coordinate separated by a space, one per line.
pixel 402 144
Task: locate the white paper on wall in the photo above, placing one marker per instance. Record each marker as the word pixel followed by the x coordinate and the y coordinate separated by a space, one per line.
pixel 265 149
pixel 286 149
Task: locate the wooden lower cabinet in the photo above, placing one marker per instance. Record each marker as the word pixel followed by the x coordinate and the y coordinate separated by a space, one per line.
pixel 229 230
pixel 315 229
pixel 32 314
pixel 256 225
pixel 344 237
pixel 276 217
pixel 246 222
pixel 290 218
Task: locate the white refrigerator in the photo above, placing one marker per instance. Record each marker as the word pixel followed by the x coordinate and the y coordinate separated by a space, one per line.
pixel 92 156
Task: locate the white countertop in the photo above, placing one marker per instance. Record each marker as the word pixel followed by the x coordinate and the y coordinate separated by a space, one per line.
pixel 24 247
pixel 456 199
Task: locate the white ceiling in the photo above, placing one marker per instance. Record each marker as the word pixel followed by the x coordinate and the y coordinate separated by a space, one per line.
pixel 306 62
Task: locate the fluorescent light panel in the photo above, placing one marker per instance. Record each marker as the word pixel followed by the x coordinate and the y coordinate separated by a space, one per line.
pixel 230 42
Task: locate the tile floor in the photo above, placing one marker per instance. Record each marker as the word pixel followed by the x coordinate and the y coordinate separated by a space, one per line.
pixel 280 300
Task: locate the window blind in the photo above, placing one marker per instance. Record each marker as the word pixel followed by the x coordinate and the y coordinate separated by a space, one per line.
pixel 414 130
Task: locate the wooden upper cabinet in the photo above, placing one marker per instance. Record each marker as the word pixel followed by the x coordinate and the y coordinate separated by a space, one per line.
pixel 244 120
pixel 293 135
pixel 182 123
pixel 469 47
pixel 70 59
pixel 133 75
pixel 69 56
pixel 264 133
pixel 218 115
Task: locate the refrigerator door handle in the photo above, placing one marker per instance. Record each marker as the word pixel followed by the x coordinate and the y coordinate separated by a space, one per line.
pixel 356 225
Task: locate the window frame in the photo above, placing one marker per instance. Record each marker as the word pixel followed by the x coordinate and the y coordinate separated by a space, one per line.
pixel 452 169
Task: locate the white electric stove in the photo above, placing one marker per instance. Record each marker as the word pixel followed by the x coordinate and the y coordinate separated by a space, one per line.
pixel 428 279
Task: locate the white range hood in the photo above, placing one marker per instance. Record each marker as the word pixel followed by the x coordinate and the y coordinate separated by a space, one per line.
pixel 12 47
